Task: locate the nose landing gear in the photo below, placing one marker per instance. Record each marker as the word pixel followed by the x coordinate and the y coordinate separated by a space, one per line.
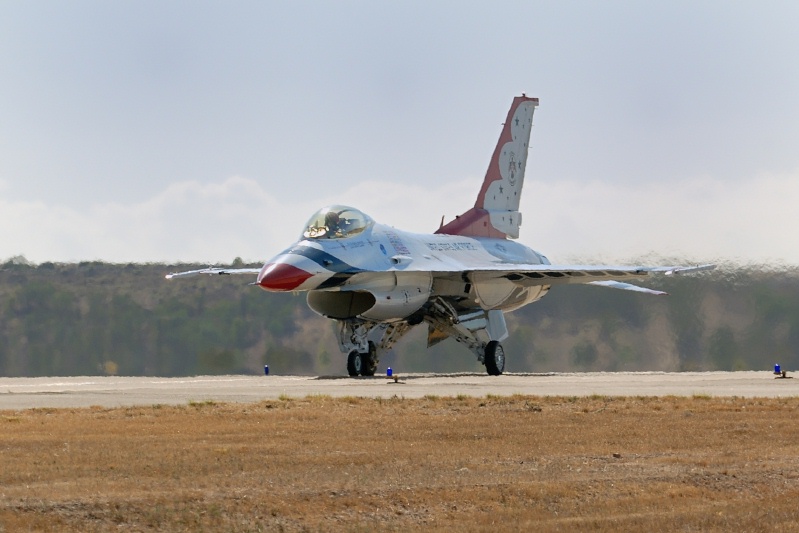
pixel 362 363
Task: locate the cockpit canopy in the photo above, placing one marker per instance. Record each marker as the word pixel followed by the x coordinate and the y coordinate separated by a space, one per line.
pixel 336 222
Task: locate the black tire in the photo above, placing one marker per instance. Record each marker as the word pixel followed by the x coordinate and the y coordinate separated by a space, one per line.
pixel 369 361
pixel 355 363
pixel 494 358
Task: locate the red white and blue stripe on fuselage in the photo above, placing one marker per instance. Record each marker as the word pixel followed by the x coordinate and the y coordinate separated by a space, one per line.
pixel 305 266
pixel 318 264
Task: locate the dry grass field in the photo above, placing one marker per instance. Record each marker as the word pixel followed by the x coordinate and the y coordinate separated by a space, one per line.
pixel 437 463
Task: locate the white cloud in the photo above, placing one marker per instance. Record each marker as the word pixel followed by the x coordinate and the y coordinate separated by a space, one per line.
pixel 702 220
pixel 186 221
pixel 705 219
pixel 189 221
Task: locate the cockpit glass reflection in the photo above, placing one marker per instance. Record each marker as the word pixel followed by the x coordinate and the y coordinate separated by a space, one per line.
pixel 336 222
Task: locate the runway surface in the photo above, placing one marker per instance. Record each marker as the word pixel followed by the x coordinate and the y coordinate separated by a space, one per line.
pixel 25 393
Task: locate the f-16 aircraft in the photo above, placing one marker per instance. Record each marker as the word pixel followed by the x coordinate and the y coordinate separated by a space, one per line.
pixel 377 282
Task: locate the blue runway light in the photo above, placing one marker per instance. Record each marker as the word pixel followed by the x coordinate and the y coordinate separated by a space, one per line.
pixel 266 370
pixel 388 372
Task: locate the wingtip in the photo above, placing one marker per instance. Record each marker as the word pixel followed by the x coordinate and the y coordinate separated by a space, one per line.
pixel 688 270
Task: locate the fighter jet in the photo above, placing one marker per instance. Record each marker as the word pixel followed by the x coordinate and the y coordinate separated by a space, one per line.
pixel 377 282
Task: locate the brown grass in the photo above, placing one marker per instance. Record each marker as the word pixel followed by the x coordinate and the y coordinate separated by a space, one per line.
pixel 437 463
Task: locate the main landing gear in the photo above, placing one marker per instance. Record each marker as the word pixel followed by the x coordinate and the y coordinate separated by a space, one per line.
pixel 478 330
pixel 494 358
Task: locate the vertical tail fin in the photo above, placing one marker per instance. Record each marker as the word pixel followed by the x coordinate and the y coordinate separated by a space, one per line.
pixel 496 211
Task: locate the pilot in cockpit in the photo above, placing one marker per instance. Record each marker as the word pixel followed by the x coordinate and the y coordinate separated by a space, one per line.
pixel 333 223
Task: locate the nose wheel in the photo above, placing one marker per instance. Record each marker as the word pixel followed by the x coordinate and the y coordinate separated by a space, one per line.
pixel 362 363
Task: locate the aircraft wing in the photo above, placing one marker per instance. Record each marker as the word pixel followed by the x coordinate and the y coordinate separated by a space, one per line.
pixel 212 271
pixel 600 275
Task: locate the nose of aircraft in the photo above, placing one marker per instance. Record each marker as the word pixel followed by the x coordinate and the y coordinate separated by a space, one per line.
pixel 282 277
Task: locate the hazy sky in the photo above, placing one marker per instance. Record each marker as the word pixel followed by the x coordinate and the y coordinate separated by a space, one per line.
pixel 201 131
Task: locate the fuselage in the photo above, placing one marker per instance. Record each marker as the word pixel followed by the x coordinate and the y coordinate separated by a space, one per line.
pixel 381 273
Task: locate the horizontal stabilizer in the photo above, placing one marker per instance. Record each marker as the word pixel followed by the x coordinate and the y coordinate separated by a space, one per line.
pixel 626 286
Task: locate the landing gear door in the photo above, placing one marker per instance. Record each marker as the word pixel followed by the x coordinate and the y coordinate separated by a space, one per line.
pixel 497 329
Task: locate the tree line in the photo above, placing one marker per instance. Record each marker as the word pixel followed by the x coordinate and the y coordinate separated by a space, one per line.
pixel 95 318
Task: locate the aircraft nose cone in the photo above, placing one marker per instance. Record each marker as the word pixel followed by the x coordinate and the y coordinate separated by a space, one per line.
pixel 282 277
